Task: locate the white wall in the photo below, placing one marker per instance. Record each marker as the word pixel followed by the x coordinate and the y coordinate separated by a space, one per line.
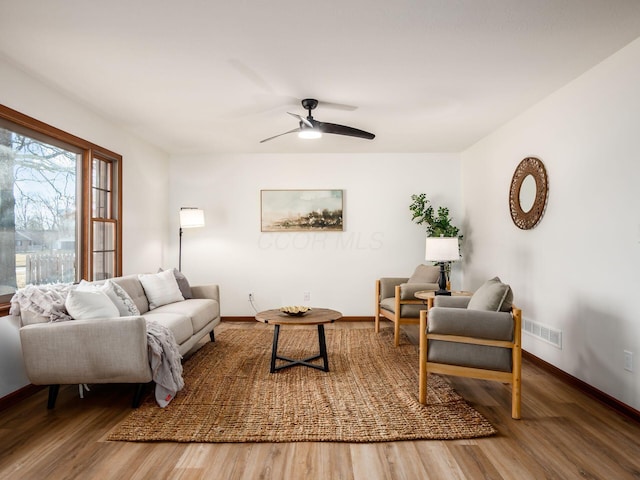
pixel 145 184
pixel 578 269
pixel 338 269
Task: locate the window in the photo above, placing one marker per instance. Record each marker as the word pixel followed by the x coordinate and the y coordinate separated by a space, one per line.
pixel 60 207
pixel 104 227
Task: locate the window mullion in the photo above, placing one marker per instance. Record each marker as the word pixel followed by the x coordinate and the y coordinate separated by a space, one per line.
pixel 85 215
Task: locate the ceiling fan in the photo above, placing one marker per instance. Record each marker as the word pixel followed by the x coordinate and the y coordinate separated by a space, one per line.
pixel 312 128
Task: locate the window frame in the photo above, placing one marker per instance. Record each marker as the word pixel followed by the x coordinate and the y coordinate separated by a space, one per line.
pixel 89 151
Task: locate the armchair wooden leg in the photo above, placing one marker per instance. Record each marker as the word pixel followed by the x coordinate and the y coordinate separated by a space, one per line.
pixel 422 397
pixel 396 332
pixel 516 385
pixel 377 310
pixel 212 336
pixel 397 313
pixel 515 401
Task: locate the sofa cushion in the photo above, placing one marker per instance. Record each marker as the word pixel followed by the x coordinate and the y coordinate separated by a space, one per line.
pixel 406 311
pixel 408 290
pixel 471 323
pixel 118 295
pixel 470 355
pixel 388 286
pixel 160 288
pixel 29 318
pixel 132 285
pixel 388 304
pixel 180 325
pixel 493 296
pixel 453 301
pixel 199 310
pixel 85 304
pixel 425 274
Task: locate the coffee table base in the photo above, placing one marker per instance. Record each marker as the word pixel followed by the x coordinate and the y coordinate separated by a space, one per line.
pixel 305 362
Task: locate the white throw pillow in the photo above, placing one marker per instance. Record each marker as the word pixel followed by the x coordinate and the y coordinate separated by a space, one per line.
pixel 83 305
pixel 121 299
pixel 118 295
pixel 183 283
pixel 160 288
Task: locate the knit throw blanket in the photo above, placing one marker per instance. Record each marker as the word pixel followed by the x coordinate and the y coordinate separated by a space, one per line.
pixel 164 358
pixel 165 361
pixel 44 300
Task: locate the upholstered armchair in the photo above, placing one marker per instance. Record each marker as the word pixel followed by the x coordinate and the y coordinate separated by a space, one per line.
pixel 396 301
pixel 478 337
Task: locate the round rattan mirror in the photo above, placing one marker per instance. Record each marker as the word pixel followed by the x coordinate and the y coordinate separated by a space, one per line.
pixel 531 173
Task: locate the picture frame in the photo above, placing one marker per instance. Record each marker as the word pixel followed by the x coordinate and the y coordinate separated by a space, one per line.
pixel 301 210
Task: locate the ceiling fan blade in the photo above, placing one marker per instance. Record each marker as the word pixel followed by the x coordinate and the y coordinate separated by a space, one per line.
pixel 344 130
pixel 302 119
pixel 279 135
pixel 337 106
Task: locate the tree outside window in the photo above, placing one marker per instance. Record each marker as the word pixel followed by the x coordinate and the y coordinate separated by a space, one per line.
pixel 38 239
pixel 50 185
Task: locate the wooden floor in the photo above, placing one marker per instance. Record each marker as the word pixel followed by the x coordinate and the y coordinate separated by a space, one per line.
pixel 563 434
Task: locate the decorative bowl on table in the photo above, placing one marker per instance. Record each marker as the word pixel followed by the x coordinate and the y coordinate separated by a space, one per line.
pixel 295 311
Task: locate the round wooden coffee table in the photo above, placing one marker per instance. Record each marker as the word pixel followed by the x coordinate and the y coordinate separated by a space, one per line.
pixel 315 316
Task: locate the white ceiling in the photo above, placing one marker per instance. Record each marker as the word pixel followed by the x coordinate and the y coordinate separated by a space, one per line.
pixel 218 76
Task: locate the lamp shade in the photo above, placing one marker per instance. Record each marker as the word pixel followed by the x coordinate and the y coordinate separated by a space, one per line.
pixel 191 217
pixel 442 249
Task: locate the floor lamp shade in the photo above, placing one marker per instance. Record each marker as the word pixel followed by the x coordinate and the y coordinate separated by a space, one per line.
pixel 190 217
pixel 442 250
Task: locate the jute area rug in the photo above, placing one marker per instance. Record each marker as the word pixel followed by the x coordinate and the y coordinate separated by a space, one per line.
pixel 370 394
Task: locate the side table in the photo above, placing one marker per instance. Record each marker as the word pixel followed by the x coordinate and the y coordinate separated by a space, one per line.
pixel 429 295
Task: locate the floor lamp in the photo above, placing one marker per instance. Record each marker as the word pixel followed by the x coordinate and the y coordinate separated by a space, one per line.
pixel 442 250
pixel 190 217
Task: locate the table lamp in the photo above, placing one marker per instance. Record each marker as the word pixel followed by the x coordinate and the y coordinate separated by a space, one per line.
pixel 442 250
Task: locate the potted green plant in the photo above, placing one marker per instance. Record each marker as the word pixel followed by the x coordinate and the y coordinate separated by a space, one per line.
pixel 436 224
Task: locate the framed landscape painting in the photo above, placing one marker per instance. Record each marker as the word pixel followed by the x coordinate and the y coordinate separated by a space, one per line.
pixel 301 210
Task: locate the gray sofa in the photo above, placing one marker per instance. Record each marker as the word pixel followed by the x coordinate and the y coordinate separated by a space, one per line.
pixel 113 350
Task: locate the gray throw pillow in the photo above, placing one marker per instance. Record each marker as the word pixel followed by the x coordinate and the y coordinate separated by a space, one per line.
pixel 183 284
pixel 425 274
pixel 493 296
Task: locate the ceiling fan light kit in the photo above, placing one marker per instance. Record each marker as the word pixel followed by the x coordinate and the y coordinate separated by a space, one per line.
pixel 309 133
pixel 312 128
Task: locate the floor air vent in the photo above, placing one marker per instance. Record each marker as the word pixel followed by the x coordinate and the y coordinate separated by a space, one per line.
pixel 543 332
